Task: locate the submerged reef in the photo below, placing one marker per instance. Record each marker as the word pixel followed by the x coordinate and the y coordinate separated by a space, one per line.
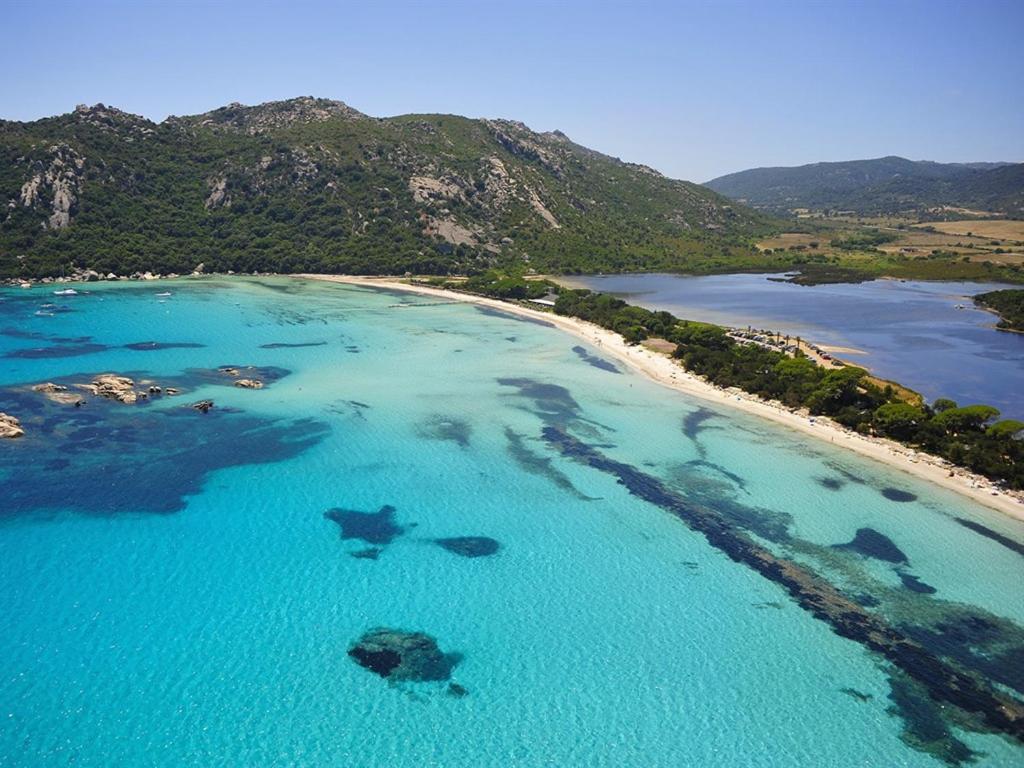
pixel 595 360
pixel 492 312
pixel 110 457
pixel 470 546
pixel 941 680
pixel 830 483
pixel 995 536
pixel 400 656
pixel 377 528
pixel 895 494
pixel 296 345
pixel 445 428
pixel 155 346
pixel 535 464
pixel 56 351
pixel 871 543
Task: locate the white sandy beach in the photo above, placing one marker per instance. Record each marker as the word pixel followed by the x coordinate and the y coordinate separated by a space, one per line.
pixel 667 372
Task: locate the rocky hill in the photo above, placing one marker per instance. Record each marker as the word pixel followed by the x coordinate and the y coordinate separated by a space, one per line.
pixel 315 185
pixel 883 185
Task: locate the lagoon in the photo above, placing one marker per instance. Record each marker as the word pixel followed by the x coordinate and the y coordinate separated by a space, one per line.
pixel 908 331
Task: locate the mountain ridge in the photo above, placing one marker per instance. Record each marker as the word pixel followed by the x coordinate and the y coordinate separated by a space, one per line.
pixel 310 184
pixel 889 184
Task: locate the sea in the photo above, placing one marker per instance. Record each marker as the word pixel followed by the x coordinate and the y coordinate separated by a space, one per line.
pixel 585 568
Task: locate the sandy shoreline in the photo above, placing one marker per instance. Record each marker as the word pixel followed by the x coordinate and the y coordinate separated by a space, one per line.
pixel 665 371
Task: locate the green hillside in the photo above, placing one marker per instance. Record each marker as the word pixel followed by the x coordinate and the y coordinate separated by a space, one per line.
pixel 882 186
pixel 314 185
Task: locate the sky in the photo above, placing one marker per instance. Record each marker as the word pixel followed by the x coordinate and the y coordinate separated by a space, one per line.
pixel 694 89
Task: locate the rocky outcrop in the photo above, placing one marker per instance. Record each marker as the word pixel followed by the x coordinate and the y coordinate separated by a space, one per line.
pixel 520 141
pixel 10 427
pixel 114 120
pixel 55 186
pixel 203 406
pixel 113 387
pixel 470 546
pixel 426 189
pixel 273 115
pixel 58 393
pixel 249 384
pixel 538 205
pixel 218 197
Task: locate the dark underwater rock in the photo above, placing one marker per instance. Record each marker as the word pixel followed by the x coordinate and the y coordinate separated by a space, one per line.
pixel 924 728
pixel 595 360
pixel 537 464
pixel 942 680
pixel 56 351
pixel 853 693
pixel 492 312
pixel 285 345
pixel 372 527
pixel 988 533
pixel 456 690
pixel 155 346
pixel 370 553
pixel 554 403
pixel 895 494
pixel 831 483
pixel 871 543
pixel 397 655
pixel 914 584
pixel 470 546
pixel 448 428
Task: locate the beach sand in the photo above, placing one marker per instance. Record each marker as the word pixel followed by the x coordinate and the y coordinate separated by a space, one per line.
pixel 664 370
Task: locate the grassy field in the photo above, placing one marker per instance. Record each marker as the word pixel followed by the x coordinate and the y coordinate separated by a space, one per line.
pixel 996 229
pixel 991 249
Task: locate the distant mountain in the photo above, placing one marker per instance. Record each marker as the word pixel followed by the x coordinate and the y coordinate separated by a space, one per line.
pixel 315 185
pixel 884 185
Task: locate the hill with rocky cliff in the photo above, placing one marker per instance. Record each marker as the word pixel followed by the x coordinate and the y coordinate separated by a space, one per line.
pixel 314 185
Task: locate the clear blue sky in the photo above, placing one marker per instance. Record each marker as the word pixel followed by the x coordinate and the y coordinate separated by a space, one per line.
pixel 693 89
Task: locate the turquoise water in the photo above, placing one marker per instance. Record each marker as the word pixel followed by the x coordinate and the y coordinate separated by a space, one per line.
pixel 171 593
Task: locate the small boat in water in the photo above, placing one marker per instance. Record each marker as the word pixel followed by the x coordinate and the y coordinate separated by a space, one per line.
pixel 41 313
pixel 66 292
pixel 164 294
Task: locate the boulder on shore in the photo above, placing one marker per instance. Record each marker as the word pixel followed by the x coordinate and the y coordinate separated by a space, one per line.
pixel 10 427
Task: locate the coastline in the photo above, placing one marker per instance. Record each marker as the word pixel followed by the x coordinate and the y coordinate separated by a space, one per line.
pixel 663 370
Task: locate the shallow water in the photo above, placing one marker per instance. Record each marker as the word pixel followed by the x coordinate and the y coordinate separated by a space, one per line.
pixel 171 592
pixel 910 331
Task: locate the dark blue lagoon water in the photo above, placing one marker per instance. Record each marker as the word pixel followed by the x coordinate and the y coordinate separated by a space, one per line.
pixel 443 537
pixel 910 332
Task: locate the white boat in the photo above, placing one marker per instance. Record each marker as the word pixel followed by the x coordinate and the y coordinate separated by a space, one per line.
pixel 41 313
pixel 66 292
pixel 165 293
